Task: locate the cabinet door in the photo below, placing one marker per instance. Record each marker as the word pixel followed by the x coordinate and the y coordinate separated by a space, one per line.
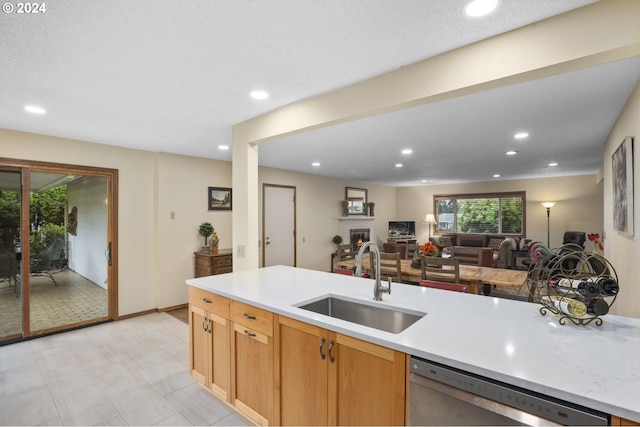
pixel 220 368
pixel 252 370
pixel 302 373
pixel 199 360
pixel 366 383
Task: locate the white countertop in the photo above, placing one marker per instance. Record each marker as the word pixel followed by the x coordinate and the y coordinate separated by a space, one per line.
pixel 593 366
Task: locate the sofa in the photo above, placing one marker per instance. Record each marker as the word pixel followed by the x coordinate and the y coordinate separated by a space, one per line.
pixel 500 245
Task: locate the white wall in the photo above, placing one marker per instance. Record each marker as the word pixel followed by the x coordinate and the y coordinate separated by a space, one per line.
pixel 623 251
pixel 87 247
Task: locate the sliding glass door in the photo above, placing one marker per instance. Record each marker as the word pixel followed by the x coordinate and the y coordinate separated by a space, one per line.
pixel 57 225
pixel 10 255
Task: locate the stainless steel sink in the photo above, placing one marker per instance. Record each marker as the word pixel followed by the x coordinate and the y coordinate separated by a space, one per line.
pixel 385 318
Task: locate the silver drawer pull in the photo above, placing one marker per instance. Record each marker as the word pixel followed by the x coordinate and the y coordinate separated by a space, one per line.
pixel 246 316
pixel 206 300
pixel 249 334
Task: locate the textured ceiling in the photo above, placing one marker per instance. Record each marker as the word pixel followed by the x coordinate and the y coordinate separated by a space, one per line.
pixel 171 76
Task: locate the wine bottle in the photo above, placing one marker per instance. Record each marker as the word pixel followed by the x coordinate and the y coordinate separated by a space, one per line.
pixel 608 286
pixel 587 288
pixel 567 305
pixel 597 307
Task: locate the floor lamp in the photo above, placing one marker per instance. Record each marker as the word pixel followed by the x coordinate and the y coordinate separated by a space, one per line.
pixel 548 205
pixel 429 219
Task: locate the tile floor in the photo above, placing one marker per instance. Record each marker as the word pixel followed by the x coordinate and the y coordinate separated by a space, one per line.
pixel 131 372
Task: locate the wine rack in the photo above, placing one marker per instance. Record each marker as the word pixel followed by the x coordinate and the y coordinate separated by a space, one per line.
pixel 572 284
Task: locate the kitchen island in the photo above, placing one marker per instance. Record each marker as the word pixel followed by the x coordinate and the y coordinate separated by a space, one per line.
pixel 510 341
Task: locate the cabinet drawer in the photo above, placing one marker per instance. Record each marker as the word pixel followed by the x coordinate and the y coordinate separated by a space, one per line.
pixel 222 261
pixel 252 317
pixel 222 270
pixel 210 302
pixel 202 262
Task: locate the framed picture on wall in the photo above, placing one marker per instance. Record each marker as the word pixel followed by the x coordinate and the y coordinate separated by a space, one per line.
pixel 622 178
pixel 219 199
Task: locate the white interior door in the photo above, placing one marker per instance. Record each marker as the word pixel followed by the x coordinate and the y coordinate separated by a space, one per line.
pixel 279 230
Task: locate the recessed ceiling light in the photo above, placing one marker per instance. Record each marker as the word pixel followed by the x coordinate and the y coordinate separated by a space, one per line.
pixel 223 147
pixel 424 181
pixel 496 175
pixel 315 164
pixel 521 135
pixel 398 165
pixel 407 151
pixel 553 164
pixel 259 94
pixel 511 153
pixel 480 7
pixel 35 110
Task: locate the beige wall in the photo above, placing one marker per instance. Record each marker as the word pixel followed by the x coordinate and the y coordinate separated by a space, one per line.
pixel 578 200
pixel 623 251
pixel 181 187
pixel 559 44
pixel 318 209
pixel 155 253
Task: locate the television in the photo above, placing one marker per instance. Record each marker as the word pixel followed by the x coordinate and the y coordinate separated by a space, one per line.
pixel 402 229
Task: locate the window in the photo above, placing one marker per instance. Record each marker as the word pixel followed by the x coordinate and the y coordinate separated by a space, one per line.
pixel 496 213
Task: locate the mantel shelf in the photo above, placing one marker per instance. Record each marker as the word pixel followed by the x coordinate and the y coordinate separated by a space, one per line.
pixel 355 217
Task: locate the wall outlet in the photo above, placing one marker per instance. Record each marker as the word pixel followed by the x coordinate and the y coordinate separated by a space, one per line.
pixel 241 250
pixel 172 215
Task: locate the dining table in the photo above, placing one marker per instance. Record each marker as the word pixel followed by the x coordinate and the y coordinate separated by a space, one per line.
pixel 474 276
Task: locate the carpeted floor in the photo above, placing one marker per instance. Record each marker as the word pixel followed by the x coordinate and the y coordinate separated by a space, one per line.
pixel 75 299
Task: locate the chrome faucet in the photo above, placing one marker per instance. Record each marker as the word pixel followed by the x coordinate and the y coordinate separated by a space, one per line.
pixel 378 289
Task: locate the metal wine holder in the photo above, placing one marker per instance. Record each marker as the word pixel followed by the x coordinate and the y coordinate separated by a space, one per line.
pixel 560 297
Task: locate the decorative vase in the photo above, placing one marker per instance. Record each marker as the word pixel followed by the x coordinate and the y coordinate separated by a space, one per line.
pixel 214 249
pixel 206 248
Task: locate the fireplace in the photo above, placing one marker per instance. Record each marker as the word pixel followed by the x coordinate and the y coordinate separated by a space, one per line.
pixel 358 236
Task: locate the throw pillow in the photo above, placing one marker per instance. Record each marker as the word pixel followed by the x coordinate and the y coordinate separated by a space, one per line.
pixel 446 241
pixel 495 243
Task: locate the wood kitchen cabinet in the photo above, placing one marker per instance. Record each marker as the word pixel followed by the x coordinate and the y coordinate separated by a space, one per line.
pixel 349 381
pixel 252 362
pixel 210 263
pixel 209 334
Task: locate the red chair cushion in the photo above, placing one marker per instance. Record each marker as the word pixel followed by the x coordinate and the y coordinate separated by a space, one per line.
pixel 444 285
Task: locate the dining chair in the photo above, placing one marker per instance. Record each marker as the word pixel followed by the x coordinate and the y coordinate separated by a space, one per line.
pixel 395 247
pixel 456 287
pixel 345 251
pixel 473 255
pixel 389 266
pixel 440 269
pixel 411 250
pixel 344 271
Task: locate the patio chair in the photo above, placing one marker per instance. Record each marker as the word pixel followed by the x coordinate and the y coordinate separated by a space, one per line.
pixel 8 265
pixel 44 263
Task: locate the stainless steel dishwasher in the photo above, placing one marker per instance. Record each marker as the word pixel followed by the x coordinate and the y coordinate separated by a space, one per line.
pixel 441 395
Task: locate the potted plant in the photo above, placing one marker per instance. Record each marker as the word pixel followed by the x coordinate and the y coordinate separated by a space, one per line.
pixel 206 230
pixel 337 239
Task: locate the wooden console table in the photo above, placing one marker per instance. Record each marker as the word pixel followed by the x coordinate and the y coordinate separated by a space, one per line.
pixel 210 263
